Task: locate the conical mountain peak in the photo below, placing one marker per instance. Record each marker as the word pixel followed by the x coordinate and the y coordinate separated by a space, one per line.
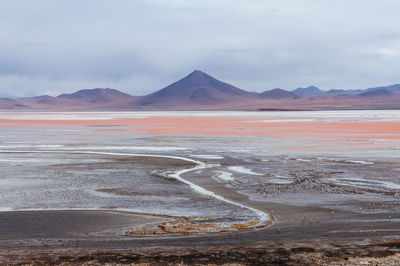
pixel 196 88
pixel 198 76
pixel 197 72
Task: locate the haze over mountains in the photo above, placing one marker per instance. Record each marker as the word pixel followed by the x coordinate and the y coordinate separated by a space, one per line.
pixel 200 91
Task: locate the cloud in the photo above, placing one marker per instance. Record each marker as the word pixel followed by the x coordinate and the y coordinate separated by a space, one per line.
pixel 140 46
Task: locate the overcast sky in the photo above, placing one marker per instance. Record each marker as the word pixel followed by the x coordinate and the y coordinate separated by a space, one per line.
pixel 139 46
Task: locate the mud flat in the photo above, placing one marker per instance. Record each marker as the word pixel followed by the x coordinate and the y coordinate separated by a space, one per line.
pixel 363 229
pixel 288 244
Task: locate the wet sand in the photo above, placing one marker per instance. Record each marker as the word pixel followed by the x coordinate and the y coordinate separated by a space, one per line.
pixel 25 225
pixel 289 243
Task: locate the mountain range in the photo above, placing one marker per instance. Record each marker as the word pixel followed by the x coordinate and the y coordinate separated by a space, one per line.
pixel 200 91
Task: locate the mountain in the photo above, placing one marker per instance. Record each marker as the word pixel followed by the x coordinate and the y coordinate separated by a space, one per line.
pixel 336 91
pixel 88 99
pixel 44 99
pixel 7 104
pixel 375 93
pixel 394 87
pixel 198 88
pixel 277 94
pixel 96 96
pixel 307 91
pixel 200 91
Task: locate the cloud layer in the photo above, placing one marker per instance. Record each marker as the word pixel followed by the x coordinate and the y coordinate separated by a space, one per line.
pixel 138 46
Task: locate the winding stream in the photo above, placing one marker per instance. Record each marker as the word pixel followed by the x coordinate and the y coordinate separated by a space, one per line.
pixel 263 217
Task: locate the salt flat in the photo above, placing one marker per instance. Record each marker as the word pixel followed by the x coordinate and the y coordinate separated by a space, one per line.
pixel 202 174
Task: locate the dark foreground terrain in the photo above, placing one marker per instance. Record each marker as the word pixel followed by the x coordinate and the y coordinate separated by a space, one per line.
pixel 276 254
pixel 30 239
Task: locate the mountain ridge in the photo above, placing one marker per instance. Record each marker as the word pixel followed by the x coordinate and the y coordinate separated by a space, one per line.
pixel 200 91
pixel 308 90
pixel 278 94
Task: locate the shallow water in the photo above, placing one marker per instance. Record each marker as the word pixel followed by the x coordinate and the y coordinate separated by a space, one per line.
pixel 293 116
pixel 55 180
pixel 56 165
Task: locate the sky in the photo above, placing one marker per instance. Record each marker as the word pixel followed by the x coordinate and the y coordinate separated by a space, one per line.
pixel 139 46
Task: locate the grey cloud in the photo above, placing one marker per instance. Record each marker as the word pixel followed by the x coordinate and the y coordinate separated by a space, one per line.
pixel 51 46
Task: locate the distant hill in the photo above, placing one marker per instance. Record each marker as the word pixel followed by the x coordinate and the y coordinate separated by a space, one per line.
pixel 394 87
pixel 7 104
pixel 375 93
pixel 306 91
pixel 97 96
pixel 335 91
pixel 88 99
pixel 43 99
pixel 198 88
pixel 277 94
